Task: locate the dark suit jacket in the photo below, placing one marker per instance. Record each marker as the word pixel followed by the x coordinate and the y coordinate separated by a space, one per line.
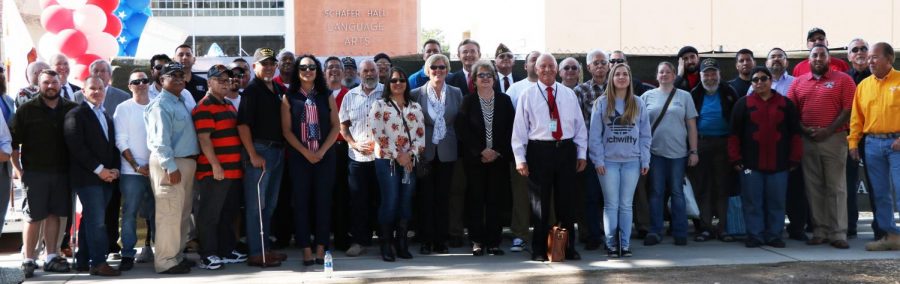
pixel 88 147
pixel 471 131
pixel 458 80
pixel 447 148
pixel 515 79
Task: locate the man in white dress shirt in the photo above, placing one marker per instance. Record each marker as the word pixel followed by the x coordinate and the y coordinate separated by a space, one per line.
pixel 550 145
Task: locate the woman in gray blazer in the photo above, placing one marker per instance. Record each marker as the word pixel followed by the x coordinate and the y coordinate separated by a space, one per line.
pixel 440 104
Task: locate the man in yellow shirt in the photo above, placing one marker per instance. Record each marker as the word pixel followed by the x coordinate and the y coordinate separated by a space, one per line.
pixel 876 114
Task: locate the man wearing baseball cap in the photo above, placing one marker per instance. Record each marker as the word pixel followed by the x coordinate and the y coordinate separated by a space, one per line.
pixel 350 76
pixel 813 37
pixel 712 177
pixel 259 127
pixel 173 145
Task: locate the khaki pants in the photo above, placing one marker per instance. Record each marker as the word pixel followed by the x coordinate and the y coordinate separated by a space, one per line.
pixel 521 206
pixel 173 211
pixel 824 171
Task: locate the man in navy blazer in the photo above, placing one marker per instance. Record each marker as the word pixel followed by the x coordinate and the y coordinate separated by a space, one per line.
pixel 469 52
pixel 93 170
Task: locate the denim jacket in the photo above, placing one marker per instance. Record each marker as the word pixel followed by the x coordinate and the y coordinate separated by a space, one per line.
pixel 170 130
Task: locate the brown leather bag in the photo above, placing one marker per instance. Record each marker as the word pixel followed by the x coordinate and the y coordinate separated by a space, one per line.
pixel 556 243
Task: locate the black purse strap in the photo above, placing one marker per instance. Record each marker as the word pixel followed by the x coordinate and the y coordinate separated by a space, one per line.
pixel 663 112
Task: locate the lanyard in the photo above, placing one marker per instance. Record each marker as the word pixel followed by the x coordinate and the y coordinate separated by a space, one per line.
pixel 544 96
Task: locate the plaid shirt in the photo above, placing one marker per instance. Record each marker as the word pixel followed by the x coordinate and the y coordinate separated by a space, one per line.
pixel 587 93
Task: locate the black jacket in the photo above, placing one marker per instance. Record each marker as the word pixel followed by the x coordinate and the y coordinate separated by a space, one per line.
pixel 471 131
pixel 458 79
pixel 88 147
pixel 727 96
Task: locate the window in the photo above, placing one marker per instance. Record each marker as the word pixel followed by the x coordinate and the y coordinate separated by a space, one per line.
pixel 217 8
pixel 232 45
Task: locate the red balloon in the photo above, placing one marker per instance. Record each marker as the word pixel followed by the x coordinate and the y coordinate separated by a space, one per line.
pixel 107 5
pixel 72 43
pixel 56 18
pixel 48 3
pixel 113 25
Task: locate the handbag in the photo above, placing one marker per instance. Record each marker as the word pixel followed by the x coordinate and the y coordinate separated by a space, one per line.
pixel 690 203
pixel 556 243
pixel 735 225
pixel 420 169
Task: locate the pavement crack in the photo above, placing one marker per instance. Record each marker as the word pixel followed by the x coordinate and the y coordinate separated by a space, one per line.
pixel 781 254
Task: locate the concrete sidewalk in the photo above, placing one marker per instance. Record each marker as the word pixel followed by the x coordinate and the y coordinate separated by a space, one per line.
pixel 460 263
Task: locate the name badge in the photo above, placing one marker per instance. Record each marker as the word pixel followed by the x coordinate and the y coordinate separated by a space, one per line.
pixel 553 124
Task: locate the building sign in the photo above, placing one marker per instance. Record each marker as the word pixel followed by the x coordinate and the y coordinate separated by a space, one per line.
pixel 356 27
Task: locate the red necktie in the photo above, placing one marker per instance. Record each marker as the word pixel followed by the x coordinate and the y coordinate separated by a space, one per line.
pixel 505 83
pixel 554 113
pixel 471 86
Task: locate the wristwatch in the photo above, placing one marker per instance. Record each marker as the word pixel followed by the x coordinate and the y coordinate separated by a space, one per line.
pixel 693 152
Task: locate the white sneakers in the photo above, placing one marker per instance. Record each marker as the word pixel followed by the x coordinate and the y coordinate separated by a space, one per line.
pixel 518 245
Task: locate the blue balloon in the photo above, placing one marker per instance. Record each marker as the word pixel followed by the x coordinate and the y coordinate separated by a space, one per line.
pixel 131 49
pixel 136 23
pixel 137 5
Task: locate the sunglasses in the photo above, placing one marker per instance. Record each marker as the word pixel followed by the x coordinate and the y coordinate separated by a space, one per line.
pixel 570 68
pixel 859 49
pixel 505 56
pixel 397 80
pixel 158 67
pixel 759 79
pixel 142 81
pixel 617 61
pixel 485 75
pixel 438 67
pixel 304 67
pixel 600 62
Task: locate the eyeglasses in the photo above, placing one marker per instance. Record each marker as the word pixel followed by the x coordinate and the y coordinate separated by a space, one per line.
pixel 859 49
pixel 305 67
pixel 485 75
pixel 158 67
pixel 617 61
pixel 398 80
pixel 600 63
pixel 571 68
pixel 438 67
pixel 759 79
pixel 142 81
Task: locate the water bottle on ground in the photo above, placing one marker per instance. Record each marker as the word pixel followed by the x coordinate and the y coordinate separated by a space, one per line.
pixel 329 264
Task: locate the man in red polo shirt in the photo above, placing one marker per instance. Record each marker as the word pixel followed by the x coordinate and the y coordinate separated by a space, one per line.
pixel 219 171
pixel 824 98
pixel 816 36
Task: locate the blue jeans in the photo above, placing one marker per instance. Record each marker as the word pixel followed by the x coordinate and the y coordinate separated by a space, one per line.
pixel 361 181
pixel 396 197
pixel 135 190
pixel 593 193
pixel 619 184
pixel 92 232
pixel 312 187
pixel 665 174
pixel 268 195
pixel 883 164
pixel 762 198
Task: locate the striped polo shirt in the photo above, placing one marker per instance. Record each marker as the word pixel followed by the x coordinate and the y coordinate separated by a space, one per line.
pixel 219 119
pixel 821 100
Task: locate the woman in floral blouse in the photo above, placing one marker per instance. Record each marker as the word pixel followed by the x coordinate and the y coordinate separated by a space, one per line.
pixel 397 127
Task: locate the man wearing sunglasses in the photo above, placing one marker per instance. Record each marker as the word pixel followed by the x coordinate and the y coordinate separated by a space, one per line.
pixel 617 57
pixel 816 36
pixel 504 59
pixel 156 66
pixel 824 98
pixel 131 139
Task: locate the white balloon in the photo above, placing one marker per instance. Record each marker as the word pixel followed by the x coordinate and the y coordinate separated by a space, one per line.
pixel 102 44
pixel 72 4
pixel 48 46
pixel 89 19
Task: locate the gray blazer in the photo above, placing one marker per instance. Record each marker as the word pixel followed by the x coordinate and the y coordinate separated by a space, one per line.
pixel 447 148
pixel 114 97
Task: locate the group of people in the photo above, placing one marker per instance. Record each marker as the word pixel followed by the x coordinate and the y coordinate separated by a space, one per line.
pixel 367 147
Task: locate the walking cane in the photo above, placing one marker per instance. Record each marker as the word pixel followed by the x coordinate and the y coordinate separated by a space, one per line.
pixel 262 237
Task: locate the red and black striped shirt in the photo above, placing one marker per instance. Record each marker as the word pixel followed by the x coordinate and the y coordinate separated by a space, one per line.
pixel 219 119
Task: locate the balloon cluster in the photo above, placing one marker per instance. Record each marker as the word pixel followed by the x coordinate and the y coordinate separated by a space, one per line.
pixel 134 15
pixel 82 30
